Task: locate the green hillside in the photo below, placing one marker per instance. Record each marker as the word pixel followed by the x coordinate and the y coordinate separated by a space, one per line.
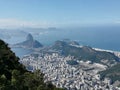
pixel 83 53
pixel 14 76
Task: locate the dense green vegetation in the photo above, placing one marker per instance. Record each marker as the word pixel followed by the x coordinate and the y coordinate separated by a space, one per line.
pixel 14 76
pixel 84 53
pixel 113 73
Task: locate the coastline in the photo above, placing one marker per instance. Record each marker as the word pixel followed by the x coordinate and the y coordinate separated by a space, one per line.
pixel 117 53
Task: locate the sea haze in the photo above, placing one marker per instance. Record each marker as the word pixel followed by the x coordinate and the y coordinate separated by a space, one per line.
pixel 98 37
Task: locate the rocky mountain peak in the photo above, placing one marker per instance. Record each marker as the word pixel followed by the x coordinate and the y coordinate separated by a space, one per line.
pixel 29 37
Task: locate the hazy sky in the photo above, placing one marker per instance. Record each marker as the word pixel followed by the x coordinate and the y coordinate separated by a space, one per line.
pixel 60 13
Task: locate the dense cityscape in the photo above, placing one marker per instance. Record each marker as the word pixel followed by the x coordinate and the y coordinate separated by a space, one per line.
pixel 81 76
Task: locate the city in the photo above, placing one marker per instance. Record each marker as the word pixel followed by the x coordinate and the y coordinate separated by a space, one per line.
pixel 83 76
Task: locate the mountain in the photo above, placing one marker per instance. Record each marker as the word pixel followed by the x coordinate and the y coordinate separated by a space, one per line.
pixel 68 41
pixel 30 42
pixel 84 53
pixel 14 76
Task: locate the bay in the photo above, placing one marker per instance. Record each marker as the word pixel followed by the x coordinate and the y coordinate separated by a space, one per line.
pixel 20 52
pixel 107 37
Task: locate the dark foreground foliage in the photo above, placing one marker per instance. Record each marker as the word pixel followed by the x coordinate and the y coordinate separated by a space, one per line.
pixel 14 76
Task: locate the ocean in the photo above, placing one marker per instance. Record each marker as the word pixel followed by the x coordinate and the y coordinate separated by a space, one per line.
pixel 20 52
pixel 97 37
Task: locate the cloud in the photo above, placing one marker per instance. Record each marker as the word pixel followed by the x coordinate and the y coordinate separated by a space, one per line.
pixel 15 23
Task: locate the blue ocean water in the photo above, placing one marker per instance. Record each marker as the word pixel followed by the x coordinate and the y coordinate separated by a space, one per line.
pixel 20 52
pixel 98 37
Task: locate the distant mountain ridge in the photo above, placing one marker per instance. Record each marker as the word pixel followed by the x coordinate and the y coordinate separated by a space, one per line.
pixel 30 43
pixel 84 53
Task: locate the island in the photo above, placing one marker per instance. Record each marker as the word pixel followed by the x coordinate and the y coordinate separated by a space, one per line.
pixel 29 43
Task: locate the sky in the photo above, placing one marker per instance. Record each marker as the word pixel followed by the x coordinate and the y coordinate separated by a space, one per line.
pixel 58 13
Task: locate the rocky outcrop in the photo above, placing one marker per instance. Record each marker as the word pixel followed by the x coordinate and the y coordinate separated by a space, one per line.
pixel 29 43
